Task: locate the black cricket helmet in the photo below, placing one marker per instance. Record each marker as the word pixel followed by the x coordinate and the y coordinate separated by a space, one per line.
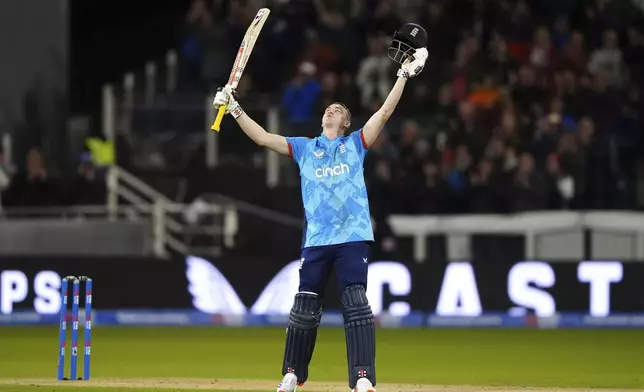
pixel 405 42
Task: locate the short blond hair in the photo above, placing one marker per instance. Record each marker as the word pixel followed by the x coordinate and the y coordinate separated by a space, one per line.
pixel 345 108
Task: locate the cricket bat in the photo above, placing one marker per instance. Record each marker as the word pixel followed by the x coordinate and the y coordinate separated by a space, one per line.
pixel 243 54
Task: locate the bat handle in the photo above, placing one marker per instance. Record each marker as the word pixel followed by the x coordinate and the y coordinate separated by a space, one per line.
pixel 220 116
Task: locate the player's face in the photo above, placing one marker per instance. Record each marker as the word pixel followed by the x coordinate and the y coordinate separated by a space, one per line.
pixel 334 116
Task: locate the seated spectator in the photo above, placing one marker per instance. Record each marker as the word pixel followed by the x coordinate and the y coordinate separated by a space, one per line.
pixel 88 187
pixel 458 172
pixel 561 185
pixel 434 191
pixel 34 186
pixel 529 189
pixel 485 188
pixel 410 137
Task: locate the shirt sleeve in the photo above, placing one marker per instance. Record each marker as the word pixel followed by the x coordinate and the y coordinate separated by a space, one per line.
pixel 297 148
pixel 361 144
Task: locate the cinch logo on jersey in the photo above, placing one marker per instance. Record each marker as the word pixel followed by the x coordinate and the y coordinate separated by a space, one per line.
pixel 332 171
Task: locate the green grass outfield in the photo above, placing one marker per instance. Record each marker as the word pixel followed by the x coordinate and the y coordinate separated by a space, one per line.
pixel 531 358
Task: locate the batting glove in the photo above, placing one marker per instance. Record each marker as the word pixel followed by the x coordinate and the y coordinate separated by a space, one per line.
pixel 228 96
pixel 411 68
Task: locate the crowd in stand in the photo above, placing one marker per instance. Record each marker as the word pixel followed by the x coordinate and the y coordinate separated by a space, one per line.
pixel 33 185
pixel 523 105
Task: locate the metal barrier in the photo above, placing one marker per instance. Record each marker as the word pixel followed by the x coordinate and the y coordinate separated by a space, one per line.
pixel 173 227
pixel 548 235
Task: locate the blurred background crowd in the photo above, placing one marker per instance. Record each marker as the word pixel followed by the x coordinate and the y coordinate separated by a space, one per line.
pixel 523 105
pixel 33 184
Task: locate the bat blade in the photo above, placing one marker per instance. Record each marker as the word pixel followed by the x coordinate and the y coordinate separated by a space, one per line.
pixel 243 54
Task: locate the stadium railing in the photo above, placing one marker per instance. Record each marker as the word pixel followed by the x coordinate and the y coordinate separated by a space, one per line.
pixel 547 234
pixel 200 228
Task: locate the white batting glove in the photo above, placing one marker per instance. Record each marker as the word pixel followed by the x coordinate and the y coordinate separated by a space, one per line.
pixel 412 68
pixel 227 96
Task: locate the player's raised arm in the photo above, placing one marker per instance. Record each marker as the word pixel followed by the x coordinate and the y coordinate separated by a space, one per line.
pixel 227 96
pixel 408 49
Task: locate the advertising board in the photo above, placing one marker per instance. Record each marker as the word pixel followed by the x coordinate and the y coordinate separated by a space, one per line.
pixel 232 287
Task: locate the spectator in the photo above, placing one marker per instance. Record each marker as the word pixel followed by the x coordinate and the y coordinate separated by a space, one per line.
pixel 467 131
pixel 507 130
pixel 561 184
pixel 486 94
pixel 374 72
pixel 574 56
pixel 385 19
pixel 335 30
pixel 521 22
pixel 323 55
pixel 458 173
pixel 441 38
pixel 561 31
pixel 198 20
pixel 634 54
pixel 417 103
pixel 572 95
pixel 463 71
pixel 602 103
pixel 542 53
pixel 410 138
pixel 385 198
pixel 6 173
pixel 33 187
pixel 444 111
pixel 592 183
pixel 87 188
pixel 382 150
pixel 328 91
pixel 434 191
pixel 484 188
pixel 608 58
pixel 529 188
pixel 208 38
pixel 545 138
pixel 570 159
pixel 301 95
pixel 348 92
pixel 500 64
pixel 527 93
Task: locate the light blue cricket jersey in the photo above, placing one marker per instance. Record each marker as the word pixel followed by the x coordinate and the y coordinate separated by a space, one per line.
pixel 334 194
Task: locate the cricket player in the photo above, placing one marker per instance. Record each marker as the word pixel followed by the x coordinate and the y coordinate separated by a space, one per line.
pixel 338 230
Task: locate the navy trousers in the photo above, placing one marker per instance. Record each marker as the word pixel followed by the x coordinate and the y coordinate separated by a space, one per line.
pixel 350 260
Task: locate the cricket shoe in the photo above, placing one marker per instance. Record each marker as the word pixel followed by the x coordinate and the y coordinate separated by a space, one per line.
pixel 289 383
pixel 364 385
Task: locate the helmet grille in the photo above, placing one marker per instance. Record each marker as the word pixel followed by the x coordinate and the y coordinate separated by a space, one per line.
pixel 400 51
